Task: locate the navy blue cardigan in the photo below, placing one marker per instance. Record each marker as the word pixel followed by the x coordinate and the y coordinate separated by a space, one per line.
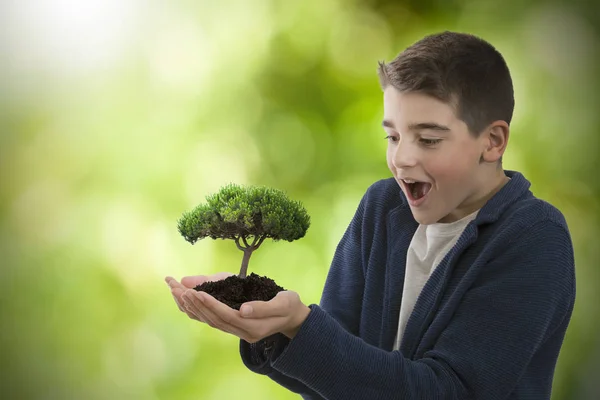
pixel 489 323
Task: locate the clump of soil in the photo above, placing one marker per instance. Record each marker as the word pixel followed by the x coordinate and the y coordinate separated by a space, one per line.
pixel 235 291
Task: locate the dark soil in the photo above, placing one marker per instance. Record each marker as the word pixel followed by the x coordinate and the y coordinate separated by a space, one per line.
pixel 235 291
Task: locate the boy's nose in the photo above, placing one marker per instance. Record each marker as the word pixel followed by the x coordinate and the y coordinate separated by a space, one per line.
pixel 404 157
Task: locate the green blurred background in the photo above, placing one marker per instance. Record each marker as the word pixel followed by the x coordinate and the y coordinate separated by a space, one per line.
pixel 118 115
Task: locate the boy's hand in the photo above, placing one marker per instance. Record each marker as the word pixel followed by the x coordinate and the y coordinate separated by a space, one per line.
pixel 190 282
pixel 256 320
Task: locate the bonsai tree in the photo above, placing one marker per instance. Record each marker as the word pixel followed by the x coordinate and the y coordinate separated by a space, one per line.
pixel 247 215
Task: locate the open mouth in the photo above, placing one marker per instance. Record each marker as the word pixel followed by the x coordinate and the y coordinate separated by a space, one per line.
pixel 416 189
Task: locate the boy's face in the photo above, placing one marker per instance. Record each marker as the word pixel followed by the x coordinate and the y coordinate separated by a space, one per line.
pixel 432 155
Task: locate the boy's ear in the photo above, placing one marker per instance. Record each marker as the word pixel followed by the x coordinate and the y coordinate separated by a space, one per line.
pixel 494 140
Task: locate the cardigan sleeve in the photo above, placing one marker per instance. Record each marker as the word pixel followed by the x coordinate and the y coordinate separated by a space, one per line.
pixel 340 299
pixel 521 298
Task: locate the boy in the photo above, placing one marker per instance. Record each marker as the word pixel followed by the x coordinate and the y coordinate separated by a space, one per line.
pixel 452 280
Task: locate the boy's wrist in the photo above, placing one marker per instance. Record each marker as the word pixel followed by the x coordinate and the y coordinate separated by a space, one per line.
pixel 297 321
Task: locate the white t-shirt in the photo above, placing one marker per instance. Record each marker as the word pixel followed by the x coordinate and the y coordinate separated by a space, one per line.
pixel 427 248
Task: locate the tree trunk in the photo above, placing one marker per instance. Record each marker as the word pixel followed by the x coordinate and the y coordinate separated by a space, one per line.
pixel 244 268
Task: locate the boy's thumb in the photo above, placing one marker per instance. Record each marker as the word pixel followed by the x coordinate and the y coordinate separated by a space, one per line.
pixel 246 310
pixel 279 306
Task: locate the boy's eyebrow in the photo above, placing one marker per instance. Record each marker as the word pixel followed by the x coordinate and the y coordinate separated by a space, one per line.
pixel 387 124
pixel 428 125
pixel 418 127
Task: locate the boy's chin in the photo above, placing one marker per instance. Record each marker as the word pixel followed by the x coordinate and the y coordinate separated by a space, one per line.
pixel 424 218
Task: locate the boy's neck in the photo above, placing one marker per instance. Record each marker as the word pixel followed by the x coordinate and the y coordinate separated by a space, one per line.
pixel 490 187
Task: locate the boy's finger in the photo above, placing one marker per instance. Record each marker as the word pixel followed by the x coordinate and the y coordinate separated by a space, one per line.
pixel 220 276
pixel 279 306
pixel 214 306
pixel 171 281
pixel 178 304
pixel 176 292
pixel 212 317
pixel 191 312
pixel 191 282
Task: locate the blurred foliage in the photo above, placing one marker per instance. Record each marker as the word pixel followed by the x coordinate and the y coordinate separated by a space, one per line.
pixel 117 116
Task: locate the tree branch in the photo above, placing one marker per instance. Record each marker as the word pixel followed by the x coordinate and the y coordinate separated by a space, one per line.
pixel 245 242
pixel 237 243
pixel 254 241
pixel 262 238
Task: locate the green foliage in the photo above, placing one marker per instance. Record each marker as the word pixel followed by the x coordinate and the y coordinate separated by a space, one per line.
pixel 242 212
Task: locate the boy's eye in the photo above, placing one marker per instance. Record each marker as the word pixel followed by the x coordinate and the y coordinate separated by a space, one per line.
pixel 391 138
pixel 429 142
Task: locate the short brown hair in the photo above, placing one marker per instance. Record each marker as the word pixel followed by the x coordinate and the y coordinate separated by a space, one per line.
pixel 459 69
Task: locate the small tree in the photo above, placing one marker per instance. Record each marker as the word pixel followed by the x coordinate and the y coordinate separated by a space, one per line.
pixel 247 215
